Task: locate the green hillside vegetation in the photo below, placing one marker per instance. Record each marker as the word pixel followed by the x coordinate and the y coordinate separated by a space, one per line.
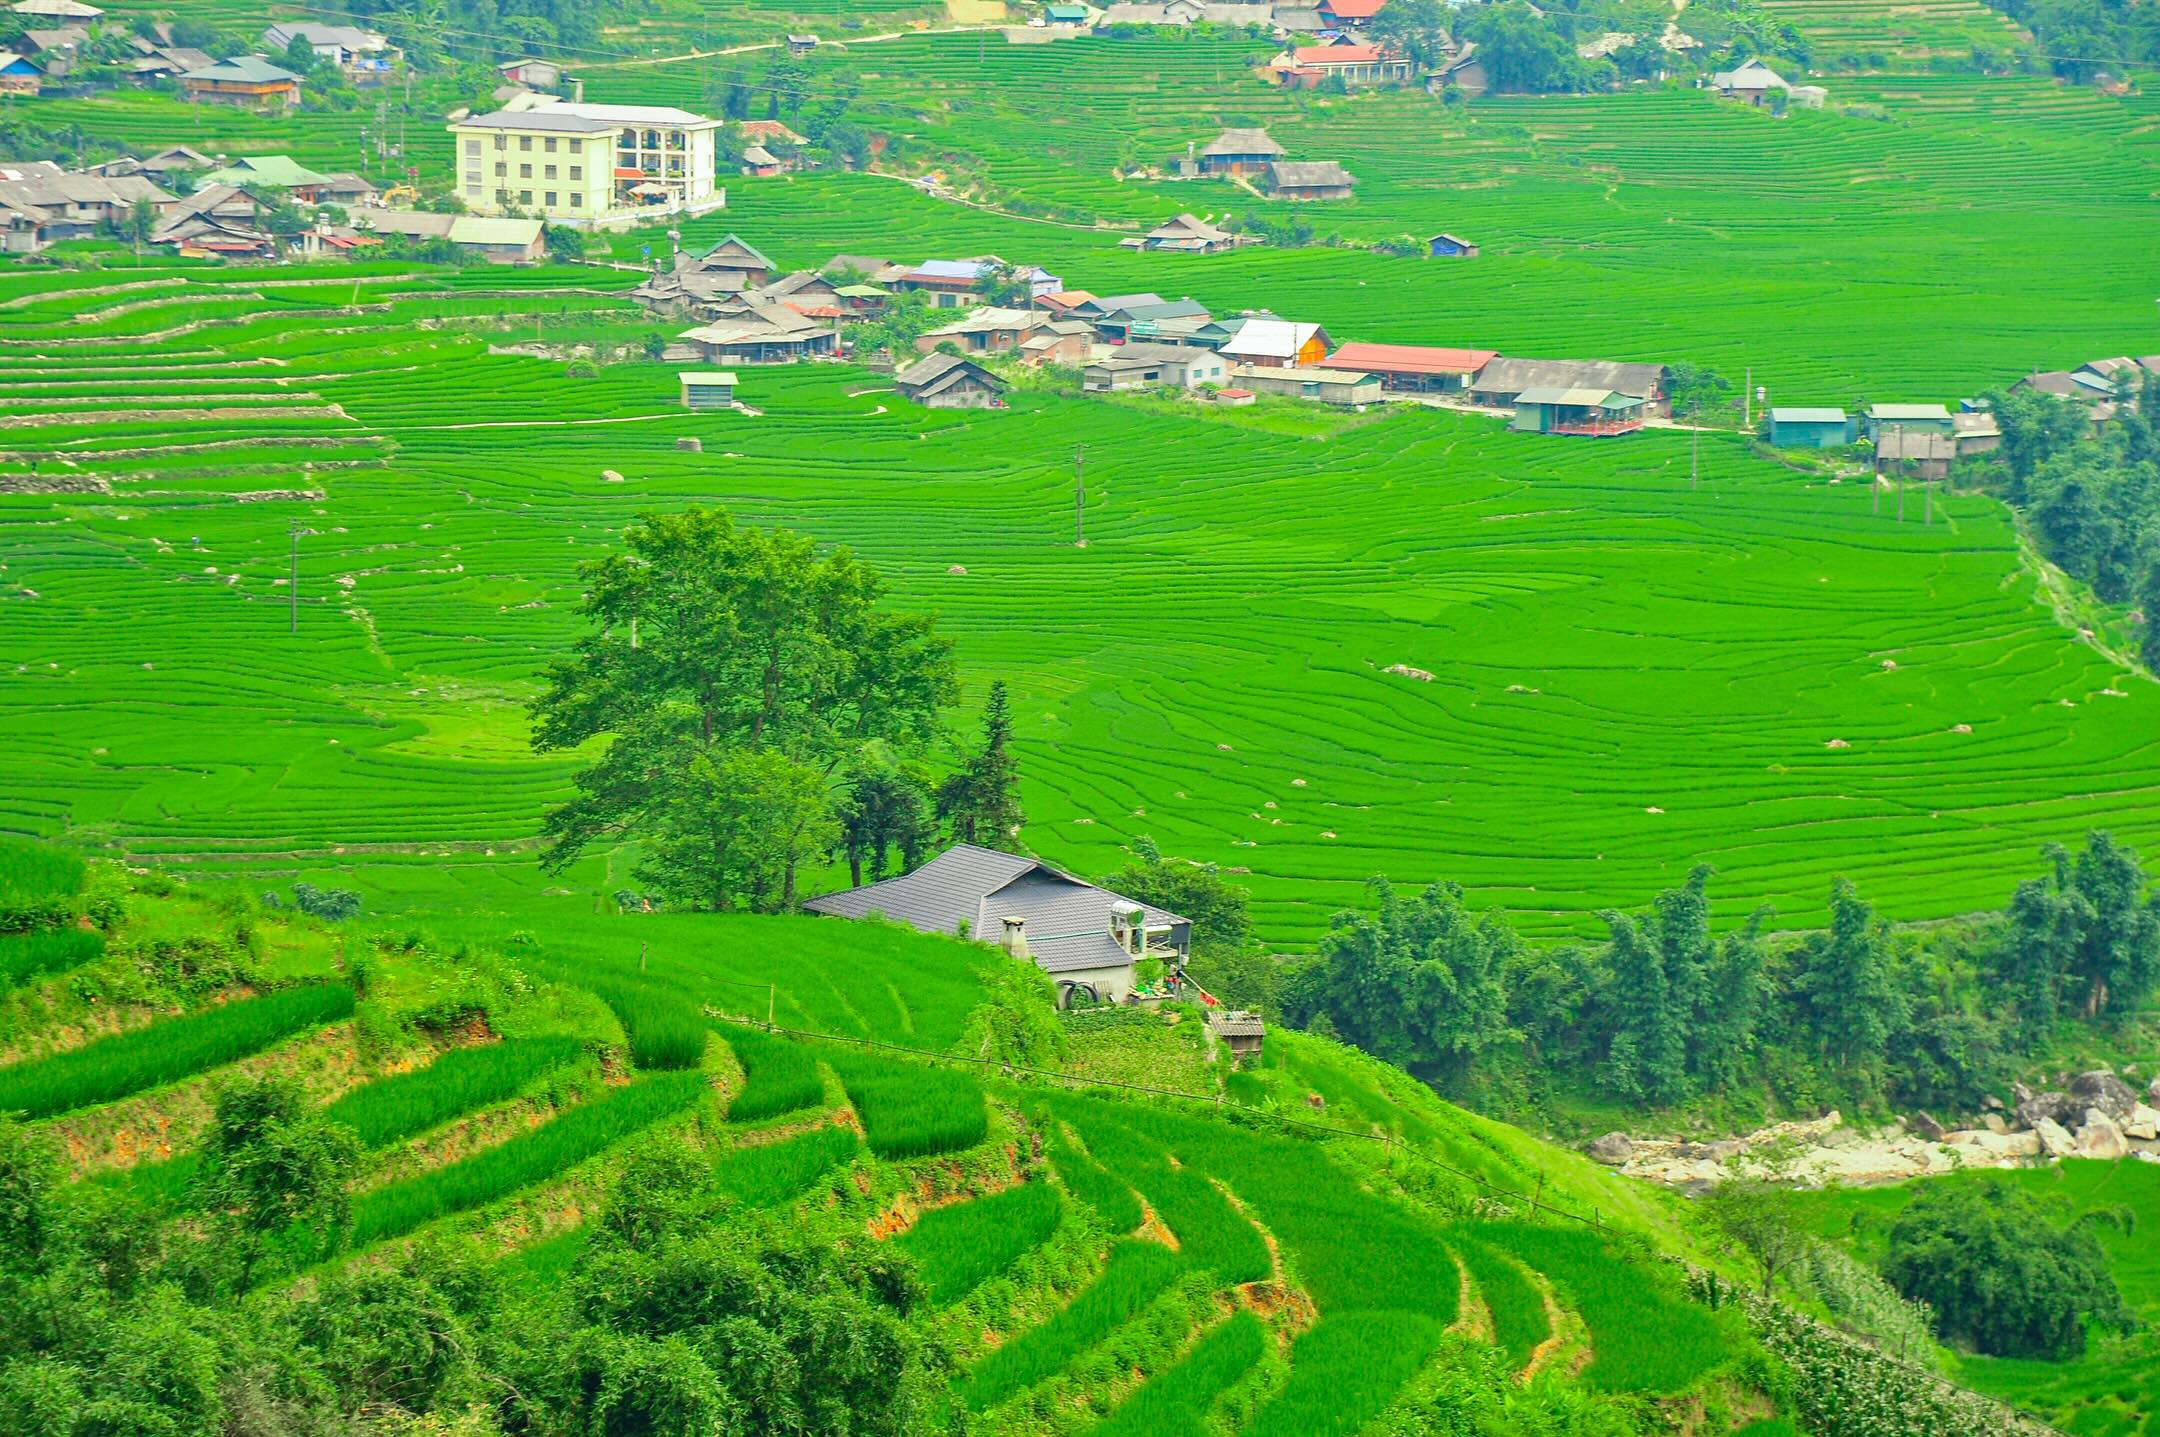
pixel 1287 1276
pixel 1674 688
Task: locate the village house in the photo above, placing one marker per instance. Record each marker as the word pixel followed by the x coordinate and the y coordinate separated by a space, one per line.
pixel 1413 368
pixel 56 14
pixel 280 171
pixel 1593 413
pixel 863 267
pixel 1906 418
pixel 1345 388
pixel 1088 939
pixel 19 74
pixel 221 220
pixel 1239 152
pixel 1240 1032
pixel 174 160
pixel 1499 383
pixel 1134 317
pixel 952 283
pixel 247 82
pixel 41 204
pixel 695 284
pixel 1916 453
pixel 1976 432
pixel 950 381
pixel 707 388
pixel 1187 234
pixel 1069 16
pixel 1447 246
pixel 862 301
pixel 801 44
pixel 530 74
pixel 1463 71
pixel 1144 366
pixel 1752 82
pixel 1186 12
pixel 1276 344
pixel 1063 301
pixel 1801 427
pixel 2118 378
pixel 574 163
pixel 984 329
pixel 759 163
pixel 365 57
pixel 1357 66
pixel 1309 180
pixel 495 240
pixel 762 334
pixel 1349 14
pixel 1067 342
pixel 164 62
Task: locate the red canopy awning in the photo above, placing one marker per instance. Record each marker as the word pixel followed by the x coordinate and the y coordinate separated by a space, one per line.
pixel 625 174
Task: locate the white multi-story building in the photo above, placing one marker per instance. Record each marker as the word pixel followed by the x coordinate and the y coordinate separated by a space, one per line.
pixel 574 163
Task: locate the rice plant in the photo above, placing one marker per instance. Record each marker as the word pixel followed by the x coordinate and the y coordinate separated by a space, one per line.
pixel 25 957
pixel 167 1051
pixel 36 882
pixel 911 1110
pixel 457 1082
pixel 530 1158
pixel 1519 1319
pixel 1136 1274
pixel 779 1076
pixel 1344 1371
pixel 1095 1185
pixel 664 1031
pixel 1177 1401
pixel 960 1246
pixel 774 1173
pixel 1644 1333
pixel 1210 1232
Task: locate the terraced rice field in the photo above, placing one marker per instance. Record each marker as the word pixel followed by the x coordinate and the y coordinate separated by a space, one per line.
pixel 1897 33
pixel 1657 676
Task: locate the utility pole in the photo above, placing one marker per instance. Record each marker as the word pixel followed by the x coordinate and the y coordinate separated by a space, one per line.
pixel 1079 496
pixel 1694 457
pixel 1747 400
pixel 292 580
pixel 1897 442
pixel 1874 483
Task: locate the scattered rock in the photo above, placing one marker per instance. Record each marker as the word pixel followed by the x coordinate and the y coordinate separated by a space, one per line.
pixel 1925 1125
pixel 1653 809
pixel 2143 1122
pixel 1408 672
pixel 2152 1090
pixel 2033 1109
pixel 1613 1149
pixel 611 476
pixel 1961 728
pixel 1837 743
pixel 956 568
pixel 1294 783
pixel 2100 1138
pixel 2055 1140
pixel 2101 1089
pixel 1991 1104
pixel 1994 1123
pixel 691 446
pixel 1889 663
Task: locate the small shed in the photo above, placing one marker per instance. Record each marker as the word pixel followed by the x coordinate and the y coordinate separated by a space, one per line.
pixel 1239 1031
pixel 708 388
pixel 1066 14
pixel 801 44
pixel 19 75
pixel 950 381
pixel 1309 180
pixel 1794 427
pixel 1595 413
pixel 1341 387
pixel 1445 246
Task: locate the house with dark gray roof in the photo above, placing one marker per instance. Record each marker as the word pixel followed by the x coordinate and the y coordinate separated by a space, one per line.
pixel 1085 937
pixel 1500 381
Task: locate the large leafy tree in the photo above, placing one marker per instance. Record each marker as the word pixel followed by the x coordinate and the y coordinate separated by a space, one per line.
pixel 271 1168
pixel 1419 982
pixel 732 672
pixel 1846 986
pixel 1681 1007
pixel 886 813
pixel 982 800
pixel 2001 1276
pixel 2085 935
pixel 1218 908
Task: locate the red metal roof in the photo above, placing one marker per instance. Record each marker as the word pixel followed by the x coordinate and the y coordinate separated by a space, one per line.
pixel 1352 9
pixel 1340 54
pixel 1063 299
pixel 1410 358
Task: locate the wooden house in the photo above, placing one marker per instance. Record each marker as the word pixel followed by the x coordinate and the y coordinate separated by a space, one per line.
pixel 1309 180
pixel 1067 342
pixel 1447 246
pixel 247 82
pixel 1752 83
pixel 1414 368
pixel 1349 14
pixel 984 329
pixel 950 381
pixel 1187 234
pixel 1239 152
pixel 1499 383
pixel 762 334
pixel 1589 413
pixel 1239 1031
pixel 1919 453
pixel 1977 432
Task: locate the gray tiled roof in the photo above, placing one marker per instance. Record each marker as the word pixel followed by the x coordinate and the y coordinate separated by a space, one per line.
pixel 1068 920
pixel 1513 376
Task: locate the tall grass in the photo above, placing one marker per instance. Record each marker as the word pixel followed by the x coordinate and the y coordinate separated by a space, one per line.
pixel 665 1032
pixel 959 1247
pixel 775 1172
pixel 32 955
pixel 166 1052
pixel 909 1110
pixel 530 1158
pixel 1210 1232
pixel 1644 1333
pixel 1136 1273
pixel 1344 1371
pixel 1518 1311
pixel 779 1076
pixel 459 1081
pixel 1096 1186
pixel 1177 1401
pixel 36 882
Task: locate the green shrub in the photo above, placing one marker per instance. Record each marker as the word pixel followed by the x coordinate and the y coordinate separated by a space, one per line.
pixel 28 956
pixel 959 1247
pixel 1177 1401
pixel 779 1075
pixel 529 1158
pixel 1136 1273
pixel 459 1081
pixel 166 1052
pixel 909 1110
pixel 772 1173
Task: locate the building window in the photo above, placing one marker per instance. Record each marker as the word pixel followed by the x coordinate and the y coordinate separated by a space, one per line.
pixel 501 169
pixel 472 147
pixel 472 177
pixel 473 190
pixel 577 147
pixel 548 172
pixel 524 197
pixel 577 172
pixel 524 142
pixel 551 199
pixel 502 142
pixel 549 144
pixel 577 201
pixel 524 172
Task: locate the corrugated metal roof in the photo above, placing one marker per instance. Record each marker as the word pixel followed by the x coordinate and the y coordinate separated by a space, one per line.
pixel 481 229
pixel 1790 415
pixel 539 120
pixel 1908 411
pixel 1411 358
pixel 1513 376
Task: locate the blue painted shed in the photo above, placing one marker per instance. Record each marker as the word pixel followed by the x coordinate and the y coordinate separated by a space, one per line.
pixel 1801 428
pixel 1450 247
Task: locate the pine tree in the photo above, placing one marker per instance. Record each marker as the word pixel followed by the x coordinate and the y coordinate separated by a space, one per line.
pixel 982 800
